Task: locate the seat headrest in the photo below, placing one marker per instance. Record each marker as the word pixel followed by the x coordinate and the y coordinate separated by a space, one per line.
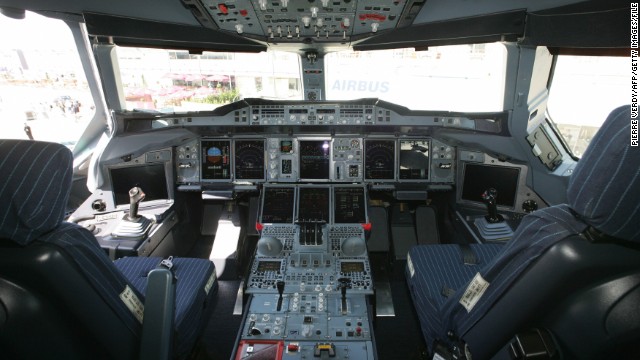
pixel 35 188
pixel 604 188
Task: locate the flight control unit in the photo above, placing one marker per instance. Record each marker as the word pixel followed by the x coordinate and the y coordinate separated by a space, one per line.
pixel 310 281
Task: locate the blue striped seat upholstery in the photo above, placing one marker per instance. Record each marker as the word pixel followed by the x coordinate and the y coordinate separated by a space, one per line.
pixel 59 286
pixel 435 270
pixel 191 294
pixel 603 194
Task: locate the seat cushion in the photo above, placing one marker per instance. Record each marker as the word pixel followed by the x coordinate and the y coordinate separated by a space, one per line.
pixel 195 289
pixel 433 273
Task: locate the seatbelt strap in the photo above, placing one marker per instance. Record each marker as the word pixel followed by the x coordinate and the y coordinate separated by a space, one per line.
pixel 468 256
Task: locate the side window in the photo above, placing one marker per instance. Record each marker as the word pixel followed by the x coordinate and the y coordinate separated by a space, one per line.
pixel 583 92
pixel 44 93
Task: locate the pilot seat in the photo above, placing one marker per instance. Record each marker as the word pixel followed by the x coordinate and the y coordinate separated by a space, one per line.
pixel 567 285
pixel 60 295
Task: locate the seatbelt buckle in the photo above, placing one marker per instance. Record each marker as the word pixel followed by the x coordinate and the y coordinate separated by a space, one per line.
pixel 167 263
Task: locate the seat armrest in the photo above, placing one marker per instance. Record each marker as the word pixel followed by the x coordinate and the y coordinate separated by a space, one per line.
pixel 159 313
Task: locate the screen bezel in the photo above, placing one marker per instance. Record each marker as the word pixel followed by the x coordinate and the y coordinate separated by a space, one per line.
pixel 299 197
pixel 399 151
pixel 294 205
pixel 395 160
pixel 330 175
pixel 365 199
pixel 162 165
pixel 517 195
pixel 264 159
pixel 231 160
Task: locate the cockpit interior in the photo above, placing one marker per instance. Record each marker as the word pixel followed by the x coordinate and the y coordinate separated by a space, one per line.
pixel 373 205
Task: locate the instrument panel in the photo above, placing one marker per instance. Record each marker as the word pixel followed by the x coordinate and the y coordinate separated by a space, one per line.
pixel 333 159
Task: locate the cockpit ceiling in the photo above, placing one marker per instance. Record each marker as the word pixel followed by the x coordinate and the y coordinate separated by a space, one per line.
pixel 326 25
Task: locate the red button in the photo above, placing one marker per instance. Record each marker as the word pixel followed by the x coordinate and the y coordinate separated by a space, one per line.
pixel 243 12
pixel 292 348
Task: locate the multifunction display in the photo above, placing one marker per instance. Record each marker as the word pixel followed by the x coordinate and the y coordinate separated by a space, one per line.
pixel 349 205
pixel 314 159
pixel 314 204
pixel 478 178
pixel 414 159
pixel 277 206
pixel 379 162
pixel 216 159
pixel 249 159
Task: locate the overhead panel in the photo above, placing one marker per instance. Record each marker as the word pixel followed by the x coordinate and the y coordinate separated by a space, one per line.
pixel 307 21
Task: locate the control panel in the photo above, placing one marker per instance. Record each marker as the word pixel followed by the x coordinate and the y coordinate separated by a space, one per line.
pixel 296 20
pixel 334 159
pixel 310 279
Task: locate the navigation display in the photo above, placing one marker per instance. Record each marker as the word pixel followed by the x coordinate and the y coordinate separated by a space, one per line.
pixel 150 178
pixel 277 205
pixel 478 178
pixel 216 159
pixel 379 159
pixel 349 205
pixel 249 159
pixel 414 159
pixel 314 159
pixel 313 204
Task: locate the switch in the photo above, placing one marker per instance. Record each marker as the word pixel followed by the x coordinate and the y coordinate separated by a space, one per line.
pixel 263 4
pixel 239 28
pixel 306 21
pixel 374 28
pixel 314 12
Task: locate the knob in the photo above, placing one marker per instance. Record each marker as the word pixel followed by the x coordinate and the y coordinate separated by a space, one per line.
pixel 529 206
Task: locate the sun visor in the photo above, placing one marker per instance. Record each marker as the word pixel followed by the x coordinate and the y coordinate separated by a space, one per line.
pixel 143 33
pixel 506 26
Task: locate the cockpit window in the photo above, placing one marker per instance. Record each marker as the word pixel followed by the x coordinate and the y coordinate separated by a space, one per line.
pixel 452 78
pixel 176 81
pixel 583 92
pixel 44 93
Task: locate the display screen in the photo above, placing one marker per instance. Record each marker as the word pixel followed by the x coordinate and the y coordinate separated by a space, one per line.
pixel 286 146
pixel 216 159
pixel 150 178
pixel 379 159
pixel 414 159
pixel 269 266
pixel 478 178
pixel 351 266
pixel 349 205
pixel 277 205
pixel 313 204
pixel 314 159
pixel 249 159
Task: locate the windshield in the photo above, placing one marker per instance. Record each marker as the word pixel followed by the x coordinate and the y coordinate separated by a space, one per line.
pixel 176 81
pixel 583 92
pixel 44 93
pixel 453 78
